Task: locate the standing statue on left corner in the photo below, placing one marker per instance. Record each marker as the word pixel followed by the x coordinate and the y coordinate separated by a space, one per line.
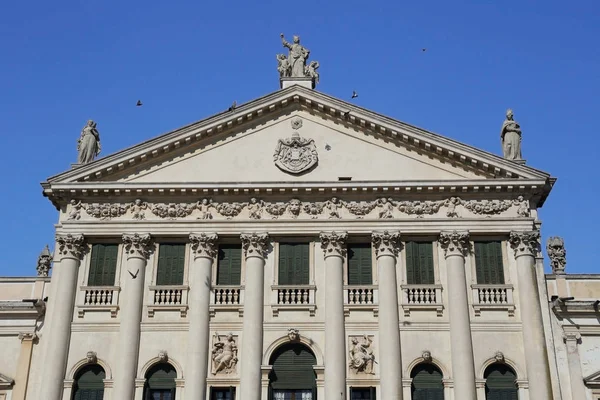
pixel 511 137
pixel 88 145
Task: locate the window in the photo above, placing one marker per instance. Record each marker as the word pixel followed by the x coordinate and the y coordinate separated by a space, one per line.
pixel 364 393
pixel 500 383
pixel 293 264
pixel 292 376
pixel 222 393
pixel 89 383
pixel 426 383
pixel 488 263
pixel 419 263
pixel 360 266
pixel 103 265
pixel 229 264
pixel 171 259
pixel 160 383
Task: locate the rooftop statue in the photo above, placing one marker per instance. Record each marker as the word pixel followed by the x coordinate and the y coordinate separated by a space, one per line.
pixel 511 137
pixel 88 144
pixel 295 64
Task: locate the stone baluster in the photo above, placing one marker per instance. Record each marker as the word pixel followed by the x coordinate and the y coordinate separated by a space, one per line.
pixel 204 250
pixel 334 251
pixel 137 248
pixel 386 246
pixel 526 245
pixel 255 247
pixel 456 245
pixel 70 250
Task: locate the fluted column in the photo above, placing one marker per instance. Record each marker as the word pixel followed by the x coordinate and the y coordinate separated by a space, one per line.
pixel 70 249
pixel 137 248
pixel 386 246
pixel 572 340
pixel 255 247
pixel 334 251
pixel 456 245
pixel 526 245
pixel 204 250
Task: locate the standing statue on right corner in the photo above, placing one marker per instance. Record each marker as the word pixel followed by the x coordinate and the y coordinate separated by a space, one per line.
pixel 297 57
pixel 88 144
pixel 511 137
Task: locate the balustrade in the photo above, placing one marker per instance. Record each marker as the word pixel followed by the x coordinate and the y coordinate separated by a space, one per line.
pixel 493 297
pixel 363 297
pixel 422 297
pixel 293 297
pixel 98 298
pixel 168 298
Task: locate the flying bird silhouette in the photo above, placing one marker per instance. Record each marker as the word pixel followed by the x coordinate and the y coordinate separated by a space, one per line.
pixel 139 103
pixel 132 275
pixel 423 49
pixel 354 94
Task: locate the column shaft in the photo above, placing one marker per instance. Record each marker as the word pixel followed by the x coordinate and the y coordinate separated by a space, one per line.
pixel 536 358
pixel 578 389
pixel 389 333
pixel 24 365
pixel 463 369
pixel 199 315
pixel 335 331
pixel 252 341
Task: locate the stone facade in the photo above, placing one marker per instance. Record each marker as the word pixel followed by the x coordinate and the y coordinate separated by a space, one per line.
pixel 346 180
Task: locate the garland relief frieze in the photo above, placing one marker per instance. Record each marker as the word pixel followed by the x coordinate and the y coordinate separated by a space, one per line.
pixel 294 208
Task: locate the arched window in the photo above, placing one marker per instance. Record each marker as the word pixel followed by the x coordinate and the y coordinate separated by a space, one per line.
pixel 160 382
pixel 500 383
pixel 427 383
pixel 292 376
pixel 89 383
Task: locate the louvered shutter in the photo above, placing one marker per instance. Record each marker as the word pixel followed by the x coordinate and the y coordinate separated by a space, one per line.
pixel 360 267
pixel 171 261
pixel 500 383
pixel 229 267
pixel 103 264
pixel 294 264
pixel 419 263
pixel 284 264
pixel 293 368
pixel 427 383
pixel 488 263
pixel 412 266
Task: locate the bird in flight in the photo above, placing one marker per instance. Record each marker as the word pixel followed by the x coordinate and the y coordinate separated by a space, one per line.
pixel 423 49
pixel 132 275
pixel 139 103
pixel 354 94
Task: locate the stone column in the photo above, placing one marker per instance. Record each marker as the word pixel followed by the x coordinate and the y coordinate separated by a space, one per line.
pixel 19 391
pixel 137 247
pixel 572 340
pixel 386 246
pixel 526 245
pixel 70 249
pixel 204 249
pixel 456 245
pixel 334 251
pixel 255 247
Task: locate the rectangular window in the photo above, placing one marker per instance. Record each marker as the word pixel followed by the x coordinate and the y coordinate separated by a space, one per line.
pixel 229 264
pixel 103 265
pixel 171 260
pixel 293 264
pixel 419 263
pixel 363 393
pixel 488 263
pixel 360 268
pixel 222 393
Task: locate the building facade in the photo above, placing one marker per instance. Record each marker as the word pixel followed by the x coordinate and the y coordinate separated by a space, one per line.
pixel 298 247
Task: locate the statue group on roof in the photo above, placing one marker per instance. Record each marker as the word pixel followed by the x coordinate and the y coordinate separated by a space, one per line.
pixel 294 64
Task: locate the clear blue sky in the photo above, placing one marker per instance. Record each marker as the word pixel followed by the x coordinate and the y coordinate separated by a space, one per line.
pixel 64 62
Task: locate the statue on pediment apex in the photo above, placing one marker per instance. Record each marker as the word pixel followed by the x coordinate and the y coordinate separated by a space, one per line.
pixel 88 145
pixel 297 56
pixel 511 137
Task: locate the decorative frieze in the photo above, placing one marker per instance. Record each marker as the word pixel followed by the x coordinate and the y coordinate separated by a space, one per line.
pixel 333 243
pixel 386 243
pixel 557 253
pixel 137 246
pixel 361 354
pixel 294 208
pixel 204 244
pixel 455 243
pixel 70 246
pixel 255 244
pixel 525 243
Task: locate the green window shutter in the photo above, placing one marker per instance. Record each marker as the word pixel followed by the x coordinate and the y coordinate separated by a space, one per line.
pixel 488 263
pixel 293 368
pixel 500 383
pixel 229 266
pixel 171 261
pixel 427 383
pixel 103 265
pixel 294 264
pixel 360 266
pixel 419 263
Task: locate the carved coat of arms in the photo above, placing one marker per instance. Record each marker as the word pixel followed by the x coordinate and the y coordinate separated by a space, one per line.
pixel 295 154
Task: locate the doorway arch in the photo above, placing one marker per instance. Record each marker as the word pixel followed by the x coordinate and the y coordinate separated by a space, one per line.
pixel 292 376
pixel 426 382
pixel 500 382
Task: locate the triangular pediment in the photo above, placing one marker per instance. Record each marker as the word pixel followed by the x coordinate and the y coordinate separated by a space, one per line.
pixel 6 382
pixel 351 142
pixel 593 380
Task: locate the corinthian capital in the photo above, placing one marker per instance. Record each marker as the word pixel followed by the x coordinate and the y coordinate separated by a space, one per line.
pixel 204 244
pixel 70 246
pixel 333 243
pixel 525 243
pixel 455 243
pixel 255 244
pixel 386 243
pixel 137 246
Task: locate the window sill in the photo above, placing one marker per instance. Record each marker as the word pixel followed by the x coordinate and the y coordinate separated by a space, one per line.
pixel 311 308
pixel 438 308
pixel 214 308
pixel 113 309
pixel 153 308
